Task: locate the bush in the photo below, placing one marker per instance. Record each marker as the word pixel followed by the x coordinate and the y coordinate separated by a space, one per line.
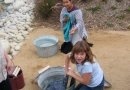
pixel 44 8
pixel 94 9
pixel 128 9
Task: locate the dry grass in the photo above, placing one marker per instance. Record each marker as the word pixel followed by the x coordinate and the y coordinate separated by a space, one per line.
pixel 103 14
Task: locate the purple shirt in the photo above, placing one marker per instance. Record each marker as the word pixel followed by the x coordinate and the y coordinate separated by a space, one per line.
pixel 74 8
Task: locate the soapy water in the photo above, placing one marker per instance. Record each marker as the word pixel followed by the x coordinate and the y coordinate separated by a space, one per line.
pixel 46 44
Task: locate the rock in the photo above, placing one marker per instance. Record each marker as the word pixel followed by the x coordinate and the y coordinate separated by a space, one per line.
pixel 15 22
pixel 10 57
pixel 5 45
pixel 18 4
pixel 8 1
pixel 20 38
pixel 15 53
pixel 2 34
pixel 17 48
pixel 128 27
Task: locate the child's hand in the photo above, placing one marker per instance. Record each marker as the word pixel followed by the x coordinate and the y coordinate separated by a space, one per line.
pixel 10 65
pixel 65 19
pixel 70 72
pixel 66 69
pixel 72 31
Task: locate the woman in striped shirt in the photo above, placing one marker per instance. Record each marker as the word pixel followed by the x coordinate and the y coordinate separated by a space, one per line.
pixel 73 26
pixel 77 31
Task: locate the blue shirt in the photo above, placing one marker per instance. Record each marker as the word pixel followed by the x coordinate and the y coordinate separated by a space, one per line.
pixel 94 69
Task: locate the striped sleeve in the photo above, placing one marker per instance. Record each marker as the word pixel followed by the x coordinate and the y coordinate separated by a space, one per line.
pixel 79 19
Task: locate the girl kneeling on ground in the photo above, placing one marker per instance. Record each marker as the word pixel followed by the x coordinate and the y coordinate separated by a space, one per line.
pixel 90 74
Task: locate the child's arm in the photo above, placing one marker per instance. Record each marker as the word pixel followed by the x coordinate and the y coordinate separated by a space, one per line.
pixel 84 79
pixel 9 62
pixel 67 63
pixel 79 22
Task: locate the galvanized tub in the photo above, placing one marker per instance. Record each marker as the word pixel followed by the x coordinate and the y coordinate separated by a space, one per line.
pixel 46 45
pixel 52 74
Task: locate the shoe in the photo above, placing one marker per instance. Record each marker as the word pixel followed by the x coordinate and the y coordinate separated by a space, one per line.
pixel 107 84
pixel 90 44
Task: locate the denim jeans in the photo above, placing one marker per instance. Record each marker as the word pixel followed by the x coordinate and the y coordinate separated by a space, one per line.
pixel 85 87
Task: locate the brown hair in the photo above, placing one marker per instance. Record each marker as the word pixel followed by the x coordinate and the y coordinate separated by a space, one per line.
pixel 82 46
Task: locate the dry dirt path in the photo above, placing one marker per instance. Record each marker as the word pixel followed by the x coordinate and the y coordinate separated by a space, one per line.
pixel 112 48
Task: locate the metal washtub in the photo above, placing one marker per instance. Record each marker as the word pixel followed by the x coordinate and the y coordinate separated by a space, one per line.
pixel 46 45
pixel 51 75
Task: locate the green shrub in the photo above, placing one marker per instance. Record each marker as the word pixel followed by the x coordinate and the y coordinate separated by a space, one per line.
pixel 119 0
pixel 109 24
pixel 128 9
pixel 120 17
pixel 128 27
pixel 113 8
pixel 104 1
pixel 44 8
pixel 94 9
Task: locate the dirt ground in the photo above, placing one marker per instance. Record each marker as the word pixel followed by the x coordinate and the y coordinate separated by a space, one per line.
pixel 112 48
